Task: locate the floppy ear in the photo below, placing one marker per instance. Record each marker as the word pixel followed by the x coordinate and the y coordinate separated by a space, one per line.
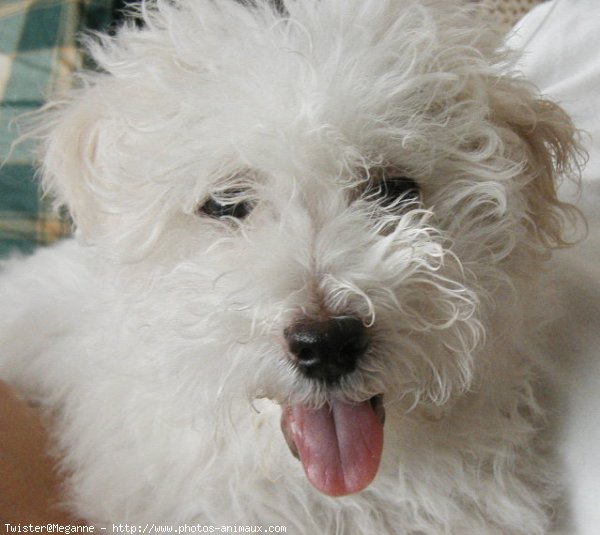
pixel 547 142
pixel 79 136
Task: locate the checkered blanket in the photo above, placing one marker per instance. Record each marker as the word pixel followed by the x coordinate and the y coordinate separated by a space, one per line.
pixel 38 53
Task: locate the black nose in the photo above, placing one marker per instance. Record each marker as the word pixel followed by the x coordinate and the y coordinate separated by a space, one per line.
pixel 327 349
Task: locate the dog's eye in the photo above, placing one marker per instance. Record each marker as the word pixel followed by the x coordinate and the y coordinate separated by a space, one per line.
pixel 226 204
pixel 397 191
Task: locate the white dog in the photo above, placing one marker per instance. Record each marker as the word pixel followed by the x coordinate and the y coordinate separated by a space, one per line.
pixel 296 220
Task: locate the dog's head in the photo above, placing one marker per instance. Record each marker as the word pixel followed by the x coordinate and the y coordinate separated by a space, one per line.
pixel 327 195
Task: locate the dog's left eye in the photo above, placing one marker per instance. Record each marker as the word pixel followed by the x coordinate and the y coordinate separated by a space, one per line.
pixel 227 204
pixel 398 190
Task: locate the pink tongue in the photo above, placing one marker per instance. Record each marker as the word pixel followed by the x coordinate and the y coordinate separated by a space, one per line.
pixel 339 445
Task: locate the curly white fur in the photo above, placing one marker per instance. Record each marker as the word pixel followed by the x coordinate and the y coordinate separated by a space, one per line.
pixel 156 337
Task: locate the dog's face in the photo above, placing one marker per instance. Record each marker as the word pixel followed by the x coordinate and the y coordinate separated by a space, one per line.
pixel 326 199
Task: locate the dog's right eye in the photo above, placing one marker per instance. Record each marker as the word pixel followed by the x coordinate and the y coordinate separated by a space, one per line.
pixel 227 204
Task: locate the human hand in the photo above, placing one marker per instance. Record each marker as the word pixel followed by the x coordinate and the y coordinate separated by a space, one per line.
pixel 29 484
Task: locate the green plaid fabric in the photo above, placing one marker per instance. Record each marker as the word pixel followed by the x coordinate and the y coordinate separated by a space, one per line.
pixel 38 54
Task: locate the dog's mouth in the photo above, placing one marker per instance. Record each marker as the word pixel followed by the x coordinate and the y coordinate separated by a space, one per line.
pixel 339 444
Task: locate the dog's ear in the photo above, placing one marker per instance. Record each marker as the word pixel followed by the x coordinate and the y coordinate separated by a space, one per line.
pixel 541 135
pixel 77 138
